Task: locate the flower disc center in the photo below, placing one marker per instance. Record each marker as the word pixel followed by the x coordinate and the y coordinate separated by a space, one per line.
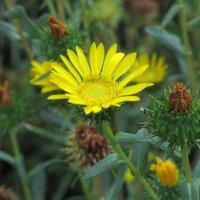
pixel 97 92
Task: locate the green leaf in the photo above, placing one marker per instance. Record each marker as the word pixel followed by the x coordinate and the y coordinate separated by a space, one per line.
pixel 9 31
pixel 102 166
pixel 20 13
pixel 193 23
pixel 140 137
pixel 44 133
pixel 43 166
pixel 195 193
pixel 7 158
pixel 170 14
pixel 38 186
pixel 166 38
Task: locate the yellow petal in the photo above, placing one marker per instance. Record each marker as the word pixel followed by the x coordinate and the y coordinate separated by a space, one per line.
pixel 134 89
pixel 124 65
pixel 89 109
pixel 124 99
pixel 71 68
pixel 131 76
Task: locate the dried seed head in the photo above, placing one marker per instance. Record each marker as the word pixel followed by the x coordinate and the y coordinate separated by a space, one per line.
pixel 57 28
pixel 5 97
pixel 180 100
pixel 7 194
pixel 96 147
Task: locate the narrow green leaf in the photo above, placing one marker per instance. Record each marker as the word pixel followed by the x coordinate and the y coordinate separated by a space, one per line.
pixel 140 137
pixel 44 133
pixel 195 190
pixel 170 14
pixel 196 172
pixel 166 38
pixel 43 166
pixel 9 31
pixel 193 23
pixel 7 158
pixel 102 166
pixel 38 186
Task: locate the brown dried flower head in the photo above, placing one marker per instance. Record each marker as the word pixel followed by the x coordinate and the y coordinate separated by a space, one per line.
pixel 95 146
pixel 180 100
pixel 5 97
pixel 7 194
pixel 57 28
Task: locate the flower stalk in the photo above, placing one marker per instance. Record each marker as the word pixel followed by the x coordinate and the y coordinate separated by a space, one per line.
pixel 18 157
pixel 186 163
pixel 109 134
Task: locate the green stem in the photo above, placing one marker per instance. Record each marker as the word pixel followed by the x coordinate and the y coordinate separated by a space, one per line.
pixel 60 9
pixel 84 186
pixel 18 27
pixel 122 155
pixel 187 49
pixel 18 157
pixel 186 163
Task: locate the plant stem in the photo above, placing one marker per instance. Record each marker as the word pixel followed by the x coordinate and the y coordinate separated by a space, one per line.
pixel 122 155
pixel 18 27
pixel 60 9
pixel 186 163
pixel 84 186
pixel 187 49
pixel 20 167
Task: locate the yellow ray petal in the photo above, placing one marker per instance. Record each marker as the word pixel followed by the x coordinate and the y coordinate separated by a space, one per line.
pixel 83 61
pixel 57 96
pixel 93 58
pixel 131 76
pixel 74 59
pixel 71 68
pixel 89 109
pixel 124 65
pixel 134 89
pixel 64 74
pixel 113 64
pixel 124 99
pixel 111 52
pixel 100 57
pixel 49 88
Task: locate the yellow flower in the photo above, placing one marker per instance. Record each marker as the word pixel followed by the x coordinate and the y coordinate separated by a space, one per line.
pixel 157 68
pixel 166 172
pixel 98 84
pixel 40 75
pixel 128 177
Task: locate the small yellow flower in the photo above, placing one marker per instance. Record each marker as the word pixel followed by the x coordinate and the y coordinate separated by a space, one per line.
pixel 40 76
pixel 128 177
pixel 157 68
pixel 99 84
pixel 166 172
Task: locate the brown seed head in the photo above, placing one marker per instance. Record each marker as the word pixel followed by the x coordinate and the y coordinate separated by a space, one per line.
pixel 96 147
pixel 57 28
pixel 5 97
pixel 180 100
pixel 7 194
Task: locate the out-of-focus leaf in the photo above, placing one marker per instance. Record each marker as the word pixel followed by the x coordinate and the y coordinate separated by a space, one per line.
pixel 170 14
pixel 140 137
pixel 78 197
pixel 185 189
pixel 166 38
pixel 115 190
pixel 63 186
pixel 102 166
pixel 38 186
pixel 18 12
pixel 9 31
pixel 42 166
pixel 7 158
pixel 44 133
pixel 193 23
pixel 195 193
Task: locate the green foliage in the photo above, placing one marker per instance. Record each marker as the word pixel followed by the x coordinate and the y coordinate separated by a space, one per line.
pixel 176 128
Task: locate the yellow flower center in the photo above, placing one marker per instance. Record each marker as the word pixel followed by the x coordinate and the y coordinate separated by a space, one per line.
pixel 97 92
